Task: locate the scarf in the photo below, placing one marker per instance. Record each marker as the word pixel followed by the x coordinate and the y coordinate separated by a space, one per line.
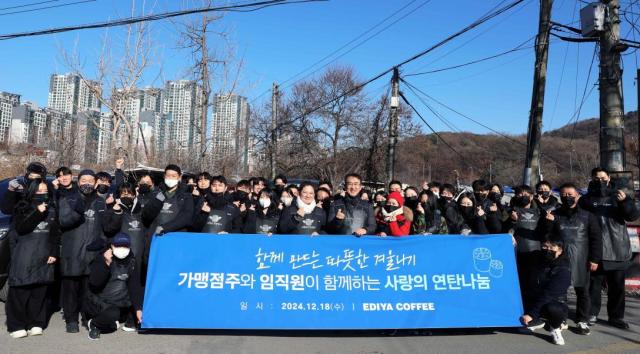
pixel 387 216
pixel 308 208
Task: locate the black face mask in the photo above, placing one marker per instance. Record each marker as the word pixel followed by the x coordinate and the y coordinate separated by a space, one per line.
pixel 86 188
pixel 466 211
pixel 391 208
pixel 240 196
pixel 548 256
pixel 144 188
pixel 521 201
pixel 479 196
pixel 216 200
pixel 127 202
pixel 40 198
pixel 411 202
pixel 203 191
pixel 544 194
pixel 102 189
pixel 495 197
pixel 599 188
pixel 568 202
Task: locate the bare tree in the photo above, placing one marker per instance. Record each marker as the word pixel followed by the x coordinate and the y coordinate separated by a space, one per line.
pixel 115 80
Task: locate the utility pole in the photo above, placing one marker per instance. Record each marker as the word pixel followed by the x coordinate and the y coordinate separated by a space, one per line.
pixel 532 159
pixel 393 124
pixel 611 105
pixel 274 127
pixel 638 120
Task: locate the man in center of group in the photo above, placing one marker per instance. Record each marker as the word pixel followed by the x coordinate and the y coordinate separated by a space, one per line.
pixel 351 214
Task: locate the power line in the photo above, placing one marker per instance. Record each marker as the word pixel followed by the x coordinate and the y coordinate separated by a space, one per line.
pixel 470 40
pixel 473 120
pixel 347 44
pixel 131 20
pixel 27 5
pixel 435 113
pixel 46 7
pixel 517 48
pixel 463 115
pixel 468 28
pixel 433 131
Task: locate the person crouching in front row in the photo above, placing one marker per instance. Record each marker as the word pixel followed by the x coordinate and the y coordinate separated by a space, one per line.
pixel 550 298
pixel 114 287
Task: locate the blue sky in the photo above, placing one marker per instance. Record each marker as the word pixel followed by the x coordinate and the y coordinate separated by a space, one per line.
pixel 278 42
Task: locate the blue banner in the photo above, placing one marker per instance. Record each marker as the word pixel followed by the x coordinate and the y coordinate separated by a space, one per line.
pixel 205 281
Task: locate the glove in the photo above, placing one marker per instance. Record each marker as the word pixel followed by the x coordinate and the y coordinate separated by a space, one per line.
pixel 15 184
pixel 159 231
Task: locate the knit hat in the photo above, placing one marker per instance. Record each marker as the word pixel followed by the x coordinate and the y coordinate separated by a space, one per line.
pixel 86 172
pixel 397 196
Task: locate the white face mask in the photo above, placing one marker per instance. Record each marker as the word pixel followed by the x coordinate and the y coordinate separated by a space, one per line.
pixel 121 252
pixel 170 182
pixel 265 203
pixel 287 201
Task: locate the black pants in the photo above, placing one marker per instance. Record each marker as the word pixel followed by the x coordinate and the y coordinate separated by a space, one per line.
pixel 583 304
pixel 74 291
pixel 527 266
pixel 555 313
pixel 106 319
pixel 26 307
pixel 615 292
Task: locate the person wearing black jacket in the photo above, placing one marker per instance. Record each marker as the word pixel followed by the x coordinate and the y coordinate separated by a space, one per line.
pixel 114 287
pixel 172 207
pixel 550 285
pixel 125 215
pixel 203 184
pixel 214 214
pixel 264 218
pixel 146 189
pixel 580 232
pixel 80 215
pixel 544 199
pixel 476 218
pixel 613 208
pixel 34 246
pixel 525 226
pixel 351 215
pixel 17 187
pixel 303 216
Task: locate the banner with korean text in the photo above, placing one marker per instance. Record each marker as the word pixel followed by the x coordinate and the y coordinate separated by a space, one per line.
pixel 204 281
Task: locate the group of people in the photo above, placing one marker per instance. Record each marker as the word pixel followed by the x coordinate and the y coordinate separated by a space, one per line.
pixel 85 242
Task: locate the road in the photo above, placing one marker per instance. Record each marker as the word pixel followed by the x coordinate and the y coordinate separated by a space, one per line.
pixel 604 339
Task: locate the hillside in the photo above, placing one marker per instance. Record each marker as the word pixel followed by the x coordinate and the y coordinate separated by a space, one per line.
pixel 568 152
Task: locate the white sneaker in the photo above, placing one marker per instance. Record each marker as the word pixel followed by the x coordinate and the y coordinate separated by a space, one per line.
pixel 35 331
pixel 18 334
pixel 564 326
pixel 556 335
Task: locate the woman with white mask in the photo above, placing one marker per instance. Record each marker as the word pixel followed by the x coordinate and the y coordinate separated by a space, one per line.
pixel 263 218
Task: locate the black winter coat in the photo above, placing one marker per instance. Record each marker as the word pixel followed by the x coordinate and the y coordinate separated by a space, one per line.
pixel 612 216
pixel 257 222
pixel 34 237
pixel 580 232
pixel 358 214
pixel 225 219
pixel 292 223
pixel 80 228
